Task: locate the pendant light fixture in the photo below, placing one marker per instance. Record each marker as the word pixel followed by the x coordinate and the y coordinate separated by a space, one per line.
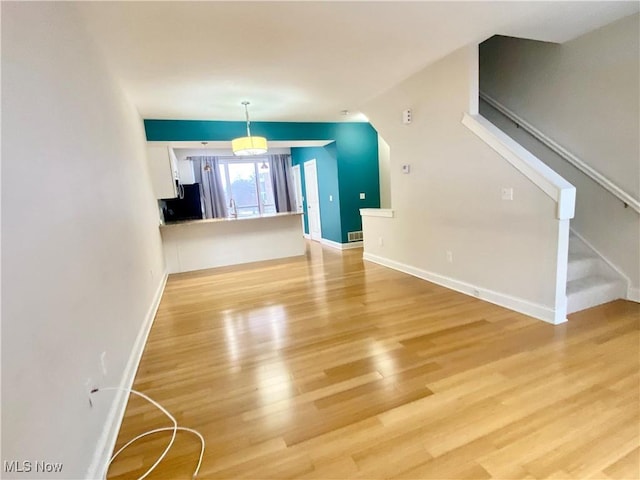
pixel 207 167
pixel 244 146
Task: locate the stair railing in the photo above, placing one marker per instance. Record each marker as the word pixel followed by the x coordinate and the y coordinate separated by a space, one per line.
pixel 624 197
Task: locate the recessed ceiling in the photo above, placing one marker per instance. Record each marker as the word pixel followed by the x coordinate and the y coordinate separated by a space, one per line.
pixel 303 61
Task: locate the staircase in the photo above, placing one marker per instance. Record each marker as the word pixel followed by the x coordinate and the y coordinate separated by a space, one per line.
pixel 590 280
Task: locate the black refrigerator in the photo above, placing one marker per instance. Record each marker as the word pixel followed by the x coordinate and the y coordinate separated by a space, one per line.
pixel 189 207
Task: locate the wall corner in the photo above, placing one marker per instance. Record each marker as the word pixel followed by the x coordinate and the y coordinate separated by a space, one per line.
pixel 474 79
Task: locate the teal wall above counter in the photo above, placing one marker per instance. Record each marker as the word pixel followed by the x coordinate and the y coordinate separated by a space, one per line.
pixel 346 167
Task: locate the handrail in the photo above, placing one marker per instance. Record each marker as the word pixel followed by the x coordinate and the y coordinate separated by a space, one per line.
pixel 596 176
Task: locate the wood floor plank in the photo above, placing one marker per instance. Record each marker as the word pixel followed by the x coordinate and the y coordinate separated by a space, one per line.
pixel 327 366
pixel 627 466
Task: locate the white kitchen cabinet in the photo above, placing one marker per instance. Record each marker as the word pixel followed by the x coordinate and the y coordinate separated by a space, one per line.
pixel 163 168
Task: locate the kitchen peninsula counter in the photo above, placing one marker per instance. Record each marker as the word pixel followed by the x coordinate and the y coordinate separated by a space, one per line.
pixel 229 219
pixel 216 242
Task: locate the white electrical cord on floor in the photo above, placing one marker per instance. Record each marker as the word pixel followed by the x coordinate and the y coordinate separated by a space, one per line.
pixel 166 429
pixel 174 429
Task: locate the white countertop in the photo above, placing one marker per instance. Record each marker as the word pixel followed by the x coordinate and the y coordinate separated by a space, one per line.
pixel 227 219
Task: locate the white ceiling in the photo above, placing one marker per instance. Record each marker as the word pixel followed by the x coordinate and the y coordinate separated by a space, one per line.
pixel 303 61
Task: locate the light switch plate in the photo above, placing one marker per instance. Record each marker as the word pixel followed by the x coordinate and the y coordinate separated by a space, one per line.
pixel 362 196
pixel 507 193
pixel 406 168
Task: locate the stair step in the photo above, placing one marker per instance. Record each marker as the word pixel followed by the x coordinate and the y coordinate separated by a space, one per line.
pixel 578 246
pixel 592 290
pixel 582 264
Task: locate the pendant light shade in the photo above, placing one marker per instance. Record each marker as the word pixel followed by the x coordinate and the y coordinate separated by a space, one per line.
pixel 245 146
pixel 249 146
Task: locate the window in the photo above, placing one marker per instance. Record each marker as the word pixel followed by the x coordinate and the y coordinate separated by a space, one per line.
pixel 248 184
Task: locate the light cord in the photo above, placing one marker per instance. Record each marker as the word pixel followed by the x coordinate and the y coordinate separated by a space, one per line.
pixel 246 114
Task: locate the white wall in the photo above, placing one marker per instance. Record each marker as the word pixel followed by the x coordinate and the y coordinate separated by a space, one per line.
pixel 584 94
pixel 384 162
pixel 81 250
pixel 451 200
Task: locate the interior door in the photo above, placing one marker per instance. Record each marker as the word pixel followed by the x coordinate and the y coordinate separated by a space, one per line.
pixel 297 181
pixel 313 202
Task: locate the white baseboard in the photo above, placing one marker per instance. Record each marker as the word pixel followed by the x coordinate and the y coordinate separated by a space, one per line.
pixel 341 246
pixel 633 294
pixel 534 310
pixel 107 441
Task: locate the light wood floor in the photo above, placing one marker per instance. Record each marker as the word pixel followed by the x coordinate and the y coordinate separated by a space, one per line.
pixel 326 366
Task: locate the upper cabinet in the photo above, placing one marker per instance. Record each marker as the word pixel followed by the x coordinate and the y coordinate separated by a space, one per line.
pixel 163 168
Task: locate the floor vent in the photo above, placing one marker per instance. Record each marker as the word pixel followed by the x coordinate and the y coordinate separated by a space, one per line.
pixel 355 236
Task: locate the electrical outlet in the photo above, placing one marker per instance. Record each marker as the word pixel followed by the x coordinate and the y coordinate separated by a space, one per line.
pixel 449 256
pixel 331 198
pixel 362 196
pixel 507 193
pixel 103 363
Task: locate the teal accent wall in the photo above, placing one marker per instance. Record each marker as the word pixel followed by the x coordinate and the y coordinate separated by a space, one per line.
pixel 358 172
pixel 327 166
pixel 348 166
